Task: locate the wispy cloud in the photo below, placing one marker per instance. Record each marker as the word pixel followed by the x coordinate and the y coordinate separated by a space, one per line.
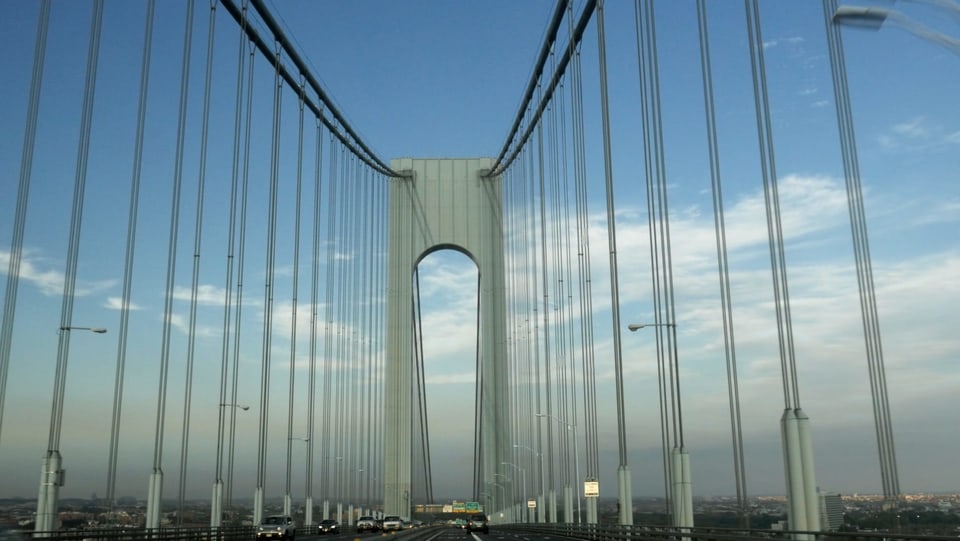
pixel 116 303
pixel 49 281
pixel 211 295
pixel 917 135
pixel 201 331
pixel 793 40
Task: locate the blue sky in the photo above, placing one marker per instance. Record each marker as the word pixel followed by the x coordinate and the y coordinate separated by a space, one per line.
pixel 444 79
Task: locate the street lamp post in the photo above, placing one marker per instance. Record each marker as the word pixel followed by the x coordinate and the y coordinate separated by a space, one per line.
pixel 523 478
pixel 326 487
pixel 681 494
pixel 576 459
pixel 540 495
pixel 288 496
pixel 216 503
pixel 502 502
pixel 51 471
pixel 503 491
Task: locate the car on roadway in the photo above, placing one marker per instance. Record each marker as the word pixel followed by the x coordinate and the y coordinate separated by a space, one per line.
pixel 478 523
pixel 328 525
pixel 277 527
pixel 367 524
pixel 391 523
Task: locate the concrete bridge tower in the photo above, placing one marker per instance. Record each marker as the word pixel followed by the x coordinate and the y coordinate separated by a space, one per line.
pixel 445 204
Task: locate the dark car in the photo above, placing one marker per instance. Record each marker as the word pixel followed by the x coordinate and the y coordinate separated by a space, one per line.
pixel 478 523
pixel 328 525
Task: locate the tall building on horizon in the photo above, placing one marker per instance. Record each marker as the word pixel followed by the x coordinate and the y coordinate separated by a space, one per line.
pixel 831 511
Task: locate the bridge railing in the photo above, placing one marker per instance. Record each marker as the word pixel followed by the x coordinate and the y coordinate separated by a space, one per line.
pixel 240 533
pixel 616 532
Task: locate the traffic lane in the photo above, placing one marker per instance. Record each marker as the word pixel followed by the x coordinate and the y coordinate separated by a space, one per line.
pixel 433 533
pixel 497 533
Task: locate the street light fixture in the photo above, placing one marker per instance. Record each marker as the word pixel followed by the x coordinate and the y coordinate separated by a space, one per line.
pixel 633 327
pixel 873 18
pixel 861 17
pixel 238 406
pixel 98 330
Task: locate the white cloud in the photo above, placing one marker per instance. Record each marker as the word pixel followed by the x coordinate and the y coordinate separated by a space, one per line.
pixel 49 281
pixel 200 331
pixel 116 303
pixel 208 295
pixel 917 135
pixel 793 40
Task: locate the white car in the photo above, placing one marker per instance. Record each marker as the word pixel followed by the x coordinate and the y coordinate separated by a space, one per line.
pixel 277 527
pixel 392 523
pixel 367 524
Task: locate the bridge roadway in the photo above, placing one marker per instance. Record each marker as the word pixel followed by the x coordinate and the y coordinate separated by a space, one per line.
pixel 612 532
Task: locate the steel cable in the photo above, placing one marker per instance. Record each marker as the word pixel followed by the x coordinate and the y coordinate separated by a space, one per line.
pixel 195 276
pixel 23 192
pixel 733 387
pixel 172 254
pixel 861 245
pixel 128 257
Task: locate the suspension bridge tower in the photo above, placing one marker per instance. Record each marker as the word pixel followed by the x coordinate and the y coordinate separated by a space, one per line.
pixel 444 204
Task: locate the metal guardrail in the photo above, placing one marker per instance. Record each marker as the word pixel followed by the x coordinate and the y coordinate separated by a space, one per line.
pixel 615 532
pixel 241 533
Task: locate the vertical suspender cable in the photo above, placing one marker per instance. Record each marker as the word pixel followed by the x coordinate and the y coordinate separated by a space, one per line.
pixel 76 220
pixel 861 245
pixel 343 361
pixel 583 257
pixel 330 451
pixel 291 389
pixel 733 388
pixel 772 205
pixel 653 225
pixel 625 491
pixel 534 322
pixel 367 331
pixel 270 275
pixel 23 191
pixel 154 496
pixel 241 258
pixel 314 300
pixel 557 286
pixel 669 328
pixel 224 410
pixel 350 329
pixel 128 258
pixel 197 237
pixel 541 173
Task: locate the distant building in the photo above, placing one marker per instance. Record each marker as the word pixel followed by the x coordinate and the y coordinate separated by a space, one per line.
pixel 831 511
